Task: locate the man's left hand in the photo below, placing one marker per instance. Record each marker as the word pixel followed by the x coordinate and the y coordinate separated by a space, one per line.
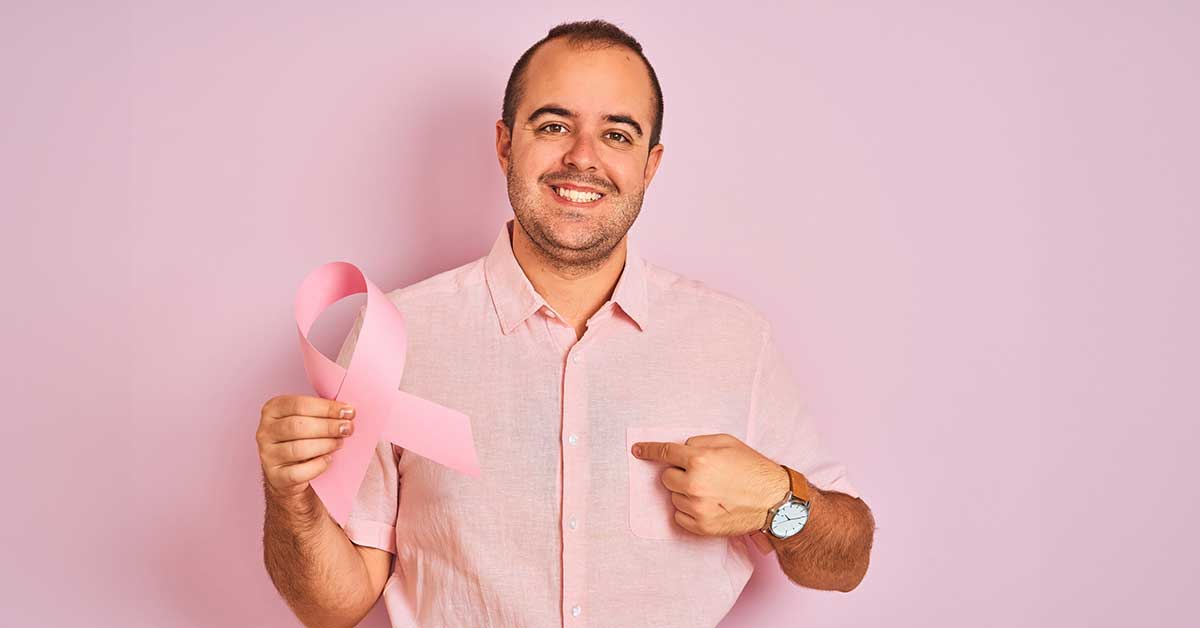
pixel 720 486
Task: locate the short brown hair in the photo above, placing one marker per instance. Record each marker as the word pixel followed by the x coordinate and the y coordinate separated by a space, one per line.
pixel 595 32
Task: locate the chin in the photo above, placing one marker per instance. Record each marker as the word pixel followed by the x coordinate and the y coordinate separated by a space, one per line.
pixel 572 233
pixel 576 237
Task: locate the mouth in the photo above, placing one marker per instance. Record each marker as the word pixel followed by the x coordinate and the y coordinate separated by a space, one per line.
pixel 576 197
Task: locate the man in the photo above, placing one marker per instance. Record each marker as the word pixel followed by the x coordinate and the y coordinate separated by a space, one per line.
pixel 635 430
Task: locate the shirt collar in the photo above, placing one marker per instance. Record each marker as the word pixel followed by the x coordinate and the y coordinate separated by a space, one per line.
pixel 516 300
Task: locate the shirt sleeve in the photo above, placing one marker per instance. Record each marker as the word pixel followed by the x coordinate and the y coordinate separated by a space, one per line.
pixel 372 518
pixel 781 428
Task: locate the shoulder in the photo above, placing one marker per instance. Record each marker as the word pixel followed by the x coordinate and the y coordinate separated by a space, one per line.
pixel 684 301
pixel 445 286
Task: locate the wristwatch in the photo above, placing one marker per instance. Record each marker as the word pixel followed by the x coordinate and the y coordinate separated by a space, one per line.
pixel 788 517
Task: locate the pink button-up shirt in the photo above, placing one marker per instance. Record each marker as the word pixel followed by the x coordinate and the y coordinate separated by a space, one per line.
pixel 564 527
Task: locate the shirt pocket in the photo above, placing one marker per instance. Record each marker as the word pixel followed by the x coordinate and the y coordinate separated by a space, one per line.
pixel 651 513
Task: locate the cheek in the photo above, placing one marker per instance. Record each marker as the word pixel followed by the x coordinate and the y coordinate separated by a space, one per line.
pixel 539 158
pixel 628 178
pixel 629 167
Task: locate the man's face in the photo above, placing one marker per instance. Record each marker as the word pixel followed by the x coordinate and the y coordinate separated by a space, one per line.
pixel 576 131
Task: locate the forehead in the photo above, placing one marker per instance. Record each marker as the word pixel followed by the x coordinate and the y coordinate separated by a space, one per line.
pixel 593 81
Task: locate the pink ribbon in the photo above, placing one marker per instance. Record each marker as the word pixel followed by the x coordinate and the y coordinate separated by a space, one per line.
pixel 371 384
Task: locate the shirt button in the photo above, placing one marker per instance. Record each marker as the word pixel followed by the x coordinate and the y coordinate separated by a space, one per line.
pixel 576 610
pixel 572 439
pixel 573 524
pixel 577 358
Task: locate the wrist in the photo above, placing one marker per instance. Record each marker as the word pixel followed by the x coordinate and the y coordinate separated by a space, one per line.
pixel 795 490
pixel 302 505
pixel 775 491
pixel 781 483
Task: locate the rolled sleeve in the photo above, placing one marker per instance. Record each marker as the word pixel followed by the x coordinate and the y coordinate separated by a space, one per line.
pixel 781 429
pixel 372 519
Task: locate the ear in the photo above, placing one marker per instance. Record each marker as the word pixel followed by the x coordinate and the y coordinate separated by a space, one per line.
pixel 503 145
pixel 652 160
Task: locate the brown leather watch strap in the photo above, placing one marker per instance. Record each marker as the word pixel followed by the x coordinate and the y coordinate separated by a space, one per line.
pixel 799 484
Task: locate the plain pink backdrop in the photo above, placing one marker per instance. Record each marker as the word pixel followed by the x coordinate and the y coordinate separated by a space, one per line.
pixel 974 224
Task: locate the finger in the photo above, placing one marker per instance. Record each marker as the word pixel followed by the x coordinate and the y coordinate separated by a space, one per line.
pixel 684 503
pixel 687 522
pixel 672 453
pixel 305 405
pixel 302 472
pixel 294 451
pixel 300 427
pixel 675 480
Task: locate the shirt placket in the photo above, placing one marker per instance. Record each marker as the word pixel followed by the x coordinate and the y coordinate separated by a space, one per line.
pixel 575 473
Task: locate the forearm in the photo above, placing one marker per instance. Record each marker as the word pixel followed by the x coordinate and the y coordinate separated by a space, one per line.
pixel 312 563
pixel 833 550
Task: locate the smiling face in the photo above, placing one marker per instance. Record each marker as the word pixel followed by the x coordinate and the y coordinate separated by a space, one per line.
pixel 577 159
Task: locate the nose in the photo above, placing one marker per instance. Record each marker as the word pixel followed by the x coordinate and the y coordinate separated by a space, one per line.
pixel 581 154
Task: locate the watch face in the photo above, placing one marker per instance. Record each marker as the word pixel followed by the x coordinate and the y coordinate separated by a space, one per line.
pixel 789 519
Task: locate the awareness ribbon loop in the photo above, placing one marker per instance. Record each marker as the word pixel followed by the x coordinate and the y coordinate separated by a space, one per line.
pixel 371 383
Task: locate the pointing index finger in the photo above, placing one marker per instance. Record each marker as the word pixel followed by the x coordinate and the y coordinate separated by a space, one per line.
pixel 674 454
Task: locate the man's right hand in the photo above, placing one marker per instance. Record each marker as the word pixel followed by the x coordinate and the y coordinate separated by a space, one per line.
pixel 296 434
pixel 326 578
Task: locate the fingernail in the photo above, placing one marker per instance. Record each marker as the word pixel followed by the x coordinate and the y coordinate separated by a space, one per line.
pixel 344 428
pixel 637 450
pixel 346 412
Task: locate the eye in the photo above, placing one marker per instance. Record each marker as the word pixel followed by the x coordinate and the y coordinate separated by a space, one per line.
pixel 622 137
pixel 546 127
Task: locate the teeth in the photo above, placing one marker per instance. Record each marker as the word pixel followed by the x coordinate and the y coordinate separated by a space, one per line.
pixel 578 197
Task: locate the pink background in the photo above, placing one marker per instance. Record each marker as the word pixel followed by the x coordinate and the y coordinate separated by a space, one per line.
pixel 975 226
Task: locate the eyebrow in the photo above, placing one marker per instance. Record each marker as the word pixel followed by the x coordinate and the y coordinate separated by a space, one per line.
pixel 555 110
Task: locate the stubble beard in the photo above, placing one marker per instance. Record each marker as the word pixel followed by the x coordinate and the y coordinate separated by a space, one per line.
pixel 530 210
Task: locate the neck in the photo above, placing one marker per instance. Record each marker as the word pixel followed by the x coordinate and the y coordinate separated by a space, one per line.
pixel 576 294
